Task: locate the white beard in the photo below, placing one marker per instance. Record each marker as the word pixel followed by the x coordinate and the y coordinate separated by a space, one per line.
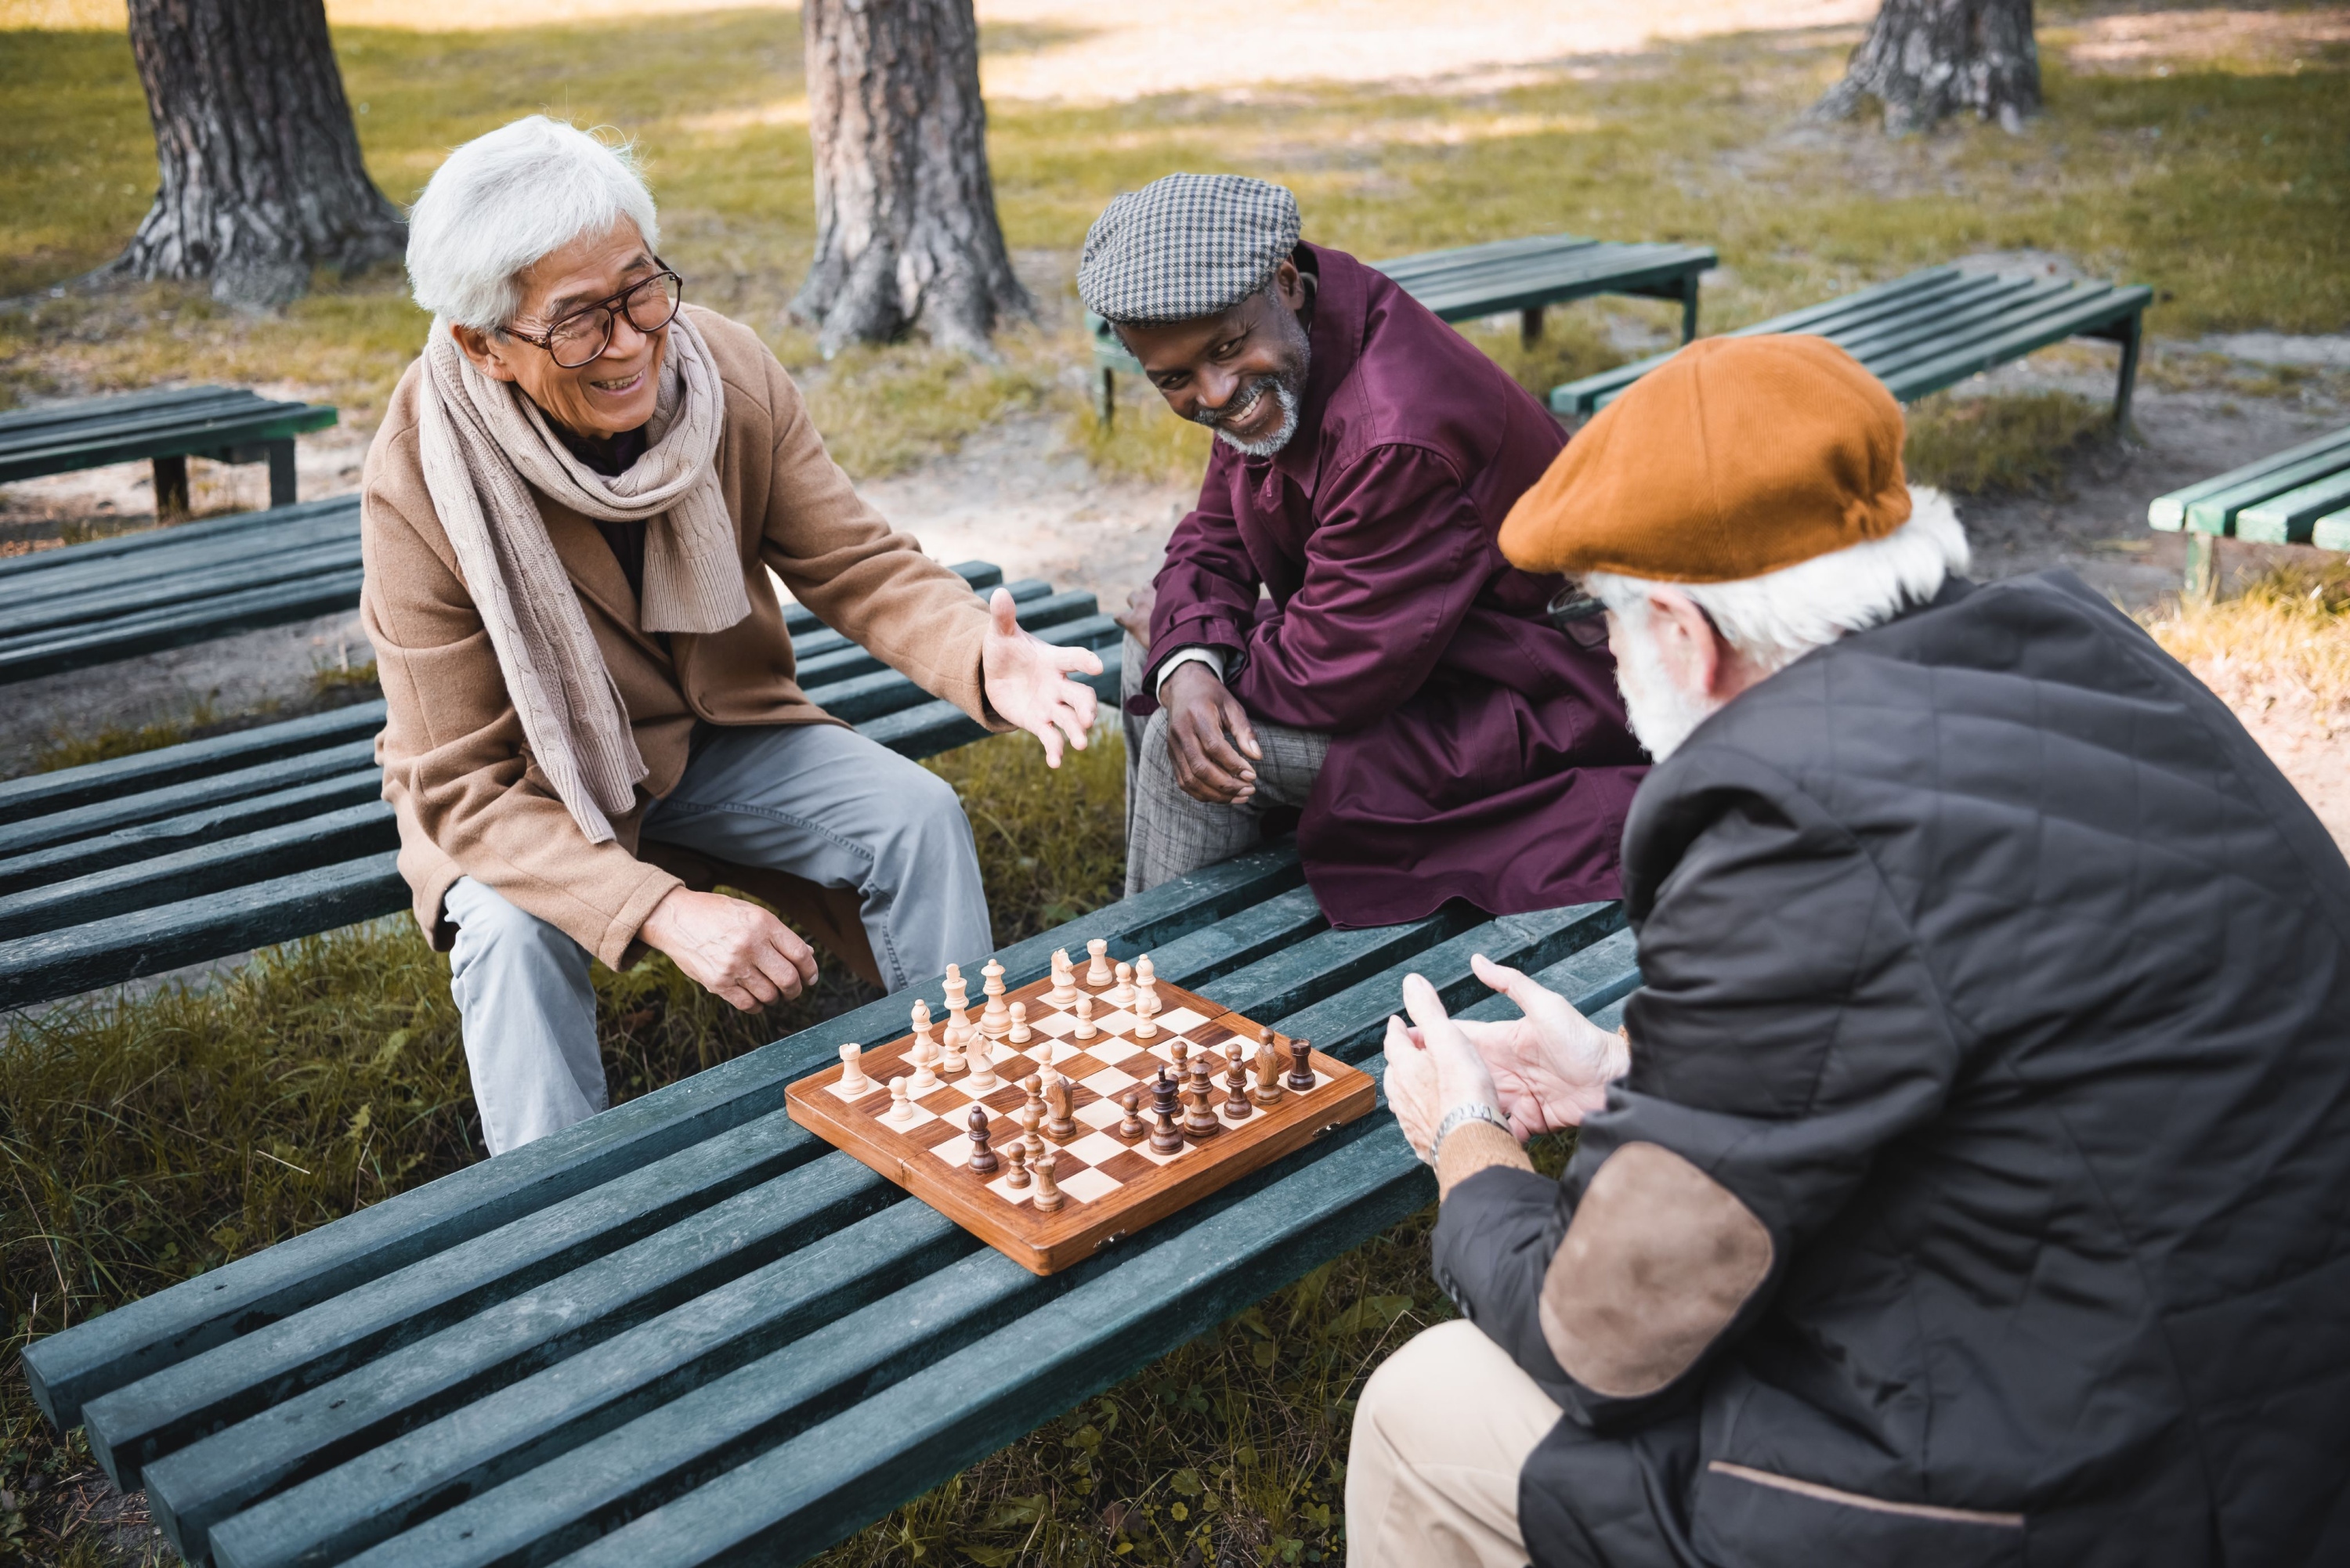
pixel 1279 438
pixel 1662 712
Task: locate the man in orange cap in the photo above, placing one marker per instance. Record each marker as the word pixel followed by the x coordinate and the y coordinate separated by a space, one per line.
pixel 1967 1183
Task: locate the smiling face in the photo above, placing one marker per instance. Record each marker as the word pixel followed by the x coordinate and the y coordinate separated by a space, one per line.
pixel 1240 372
pixel 611 393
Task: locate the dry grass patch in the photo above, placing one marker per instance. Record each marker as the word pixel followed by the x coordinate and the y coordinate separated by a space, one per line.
pixel 2001 442
pixel 2282 646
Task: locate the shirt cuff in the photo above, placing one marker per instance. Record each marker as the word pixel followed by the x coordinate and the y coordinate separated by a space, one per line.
pixel 1210 657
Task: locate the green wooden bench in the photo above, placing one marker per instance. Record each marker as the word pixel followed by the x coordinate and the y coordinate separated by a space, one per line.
pixel 2298 496
pixel 687 1331
pixel 1933 330
pixel 1525 275
pixel 146 863
pixel 168 587
pixel 226 424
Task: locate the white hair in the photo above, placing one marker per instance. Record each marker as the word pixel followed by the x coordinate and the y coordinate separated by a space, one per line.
pixel 504 201
pixel 1779 617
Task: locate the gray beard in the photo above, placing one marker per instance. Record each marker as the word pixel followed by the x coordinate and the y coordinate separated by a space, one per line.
pixel 1662 715
pixel 1272 388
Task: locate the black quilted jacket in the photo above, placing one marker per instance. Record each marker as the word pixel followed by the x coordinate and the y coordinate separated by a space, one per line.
pixel 1996 970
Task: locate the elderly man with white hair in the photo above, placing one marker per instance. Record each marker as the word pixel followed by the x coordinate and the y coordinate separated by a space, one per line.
pixel 1966 1186
pixel 570 518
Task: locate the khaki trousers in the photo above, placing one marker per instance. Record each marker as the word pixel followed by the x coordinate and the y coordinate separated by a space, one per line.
pixel 1440 1433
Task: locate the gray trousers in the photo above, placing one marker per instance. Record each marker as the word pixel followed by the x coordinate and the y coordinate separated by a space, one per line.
pixel 820 802
pixel 1170 835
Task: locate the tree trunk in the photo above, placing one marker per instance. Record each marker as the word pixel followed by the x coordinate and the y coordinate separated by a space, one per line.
pixel 906 227
pixel 261 171
pixel 1924 59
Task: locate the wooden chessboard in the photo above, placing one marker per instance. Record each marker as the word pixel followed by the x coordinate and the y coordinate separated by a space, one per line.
pixel 1112 1187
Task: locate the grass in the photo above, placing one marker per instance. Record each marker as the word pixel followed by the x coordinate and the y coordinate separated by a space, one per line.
pixel 2008 441
pixel 2284 637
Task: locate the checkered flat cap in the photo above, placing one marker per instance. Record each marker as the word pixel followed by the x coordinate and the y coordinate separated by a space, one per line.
pixel 1184 246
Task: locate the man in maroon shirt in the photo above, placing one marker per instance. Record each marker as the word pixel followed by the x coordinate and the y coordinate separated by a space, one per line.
pixel 1335 631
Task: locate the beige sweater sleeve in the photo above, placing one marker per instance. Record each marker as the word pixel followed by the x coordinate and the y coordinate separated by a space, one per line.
pixel 451 750
pixel 872 582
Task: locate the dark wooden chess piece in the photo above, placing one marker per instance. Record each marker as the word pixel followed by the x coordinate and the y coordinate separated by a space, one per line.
pixel 1016 1151
pixel 1301 1070
pixel 1237 1107
pixel 1268 1074
pixel 984 1160
pixel 1200 1117
pixel 1129 1127
pixel 1060 1117
pixel 1048 1193
pixel 1165 1137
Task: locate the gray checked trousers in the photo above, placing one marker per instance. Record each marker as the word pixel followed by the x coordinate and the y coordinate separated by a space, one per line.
pixel 818 801
pixel 1170 835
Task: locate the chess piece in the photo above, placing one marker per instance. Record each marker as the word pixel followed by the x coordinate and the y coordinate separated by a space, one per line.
pixel 957 988
pixel 994 1019
pixel 1121 994
pixel 1019 1035
pixel 1145 1026
pixel 1048 1194
pixel 1030 1114
pixel 1268 1074
pixel 1236 1101
pixel 1129 1126
pixel 1085 1029
pixel 924 1056
pixel 1165 1137
pixel 1179 1049
pixel 959 1032
pixel 1098 972
pixel 1065 979
pixel 981 1058
pixel 1301 1068
pixel 1199 1115
pixel 924 1047
pixel 902 1105
pixel 983 1159
pixel 1060 1120
pixel 1145 973
pixel 1031 1109
pixel 853 1080
pixel 1145 988
pixel 1015 1155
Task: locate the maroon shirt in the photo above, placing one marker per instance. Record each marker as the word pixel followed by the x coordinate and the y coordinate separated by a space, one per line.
pixel 1477 753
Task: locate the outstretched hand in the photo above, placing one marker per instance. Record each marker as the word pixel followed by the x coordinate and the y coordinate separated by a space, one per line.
pixel 1027 681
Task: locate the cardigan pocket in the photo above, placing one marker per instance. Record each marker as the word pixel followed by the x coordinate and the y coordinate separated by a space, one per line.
pixel 1757 1519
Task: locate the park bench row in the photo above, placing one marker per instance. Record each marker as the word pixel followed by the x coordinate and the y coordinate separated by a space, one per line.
pixel 687 1331
pixel 1522 275
pixel 168 587
pixel 1933 330
pixel 2298 496
pixel 226 424
pixel 145 863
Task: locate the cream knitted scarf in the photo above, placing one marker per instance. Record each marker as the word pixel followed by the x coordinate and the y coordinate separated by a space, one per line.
pixel 486 448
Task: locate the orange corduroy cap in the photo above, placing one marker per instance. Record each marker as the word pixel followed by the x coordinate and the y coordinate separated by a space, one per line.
pixel 1735 457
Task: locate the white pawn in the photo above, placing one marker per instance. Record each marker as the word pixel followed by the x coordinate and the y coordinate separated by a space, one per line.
pixel 982 1066
pixel 853 1081
pixel 1020 1034
pixel 1097 973
pixel 1122 994
pixel 1146 1017
pixel 924 1056
pixel 1065 979
pixel 902 1108
pixel 1084 1029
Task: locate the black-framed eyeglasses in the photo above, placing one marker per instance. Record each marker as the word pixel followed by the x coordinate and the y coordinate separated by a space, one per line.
pixel 1579 614
pixel 581 335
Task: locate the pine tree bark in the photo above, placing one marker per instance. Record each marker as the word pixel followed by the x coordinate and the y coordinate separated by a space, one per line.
pixel 906 228
pixel 1926 60
pixel 261 173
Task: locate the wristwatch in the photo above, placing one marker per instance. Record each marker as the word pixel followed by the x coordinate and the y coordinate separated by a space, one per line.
pixel 1474 1111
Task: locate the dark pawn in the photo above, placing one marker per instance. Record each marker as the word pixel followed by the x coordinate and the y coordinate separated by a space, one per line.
pixel 1236 1101
pixel 983 1161
pixel 1301 1072
pixel 1165 1138
pixel 1129 1127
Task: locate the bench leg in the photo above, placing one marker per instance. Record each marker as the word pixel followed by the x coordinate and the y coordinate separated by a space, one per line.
pixel 1530 326
pixel 1689 308
pixel 170 487
pixel 2203 566
pixel 2128 382
pixel 1106 397
pixel 281 472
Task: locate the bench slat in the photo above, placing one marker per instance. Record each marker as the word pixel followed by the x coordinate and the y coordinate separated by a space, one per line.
pixel 2169 513
pixel 204 622
pixel 2218 511
pixel 286 560
pixel 99 783
pixel 196 437
pixel 2018 335
pixel 105 560
pixel 554 1410
pixel 2288 519
pixel 192 794
pixel 63 862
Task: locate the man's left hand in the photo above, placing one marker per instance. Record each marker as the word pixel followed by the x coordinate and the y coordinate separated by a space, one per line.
pixel 1431 1070
pixel 1027 681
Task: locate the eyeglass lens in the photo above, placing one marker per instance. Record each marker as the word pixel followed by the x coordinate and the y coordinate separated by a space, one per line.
pixel 578 339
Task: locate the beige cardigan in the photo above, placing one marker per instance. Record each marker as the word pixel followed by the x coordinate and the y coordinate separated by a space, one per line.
pixel 470 801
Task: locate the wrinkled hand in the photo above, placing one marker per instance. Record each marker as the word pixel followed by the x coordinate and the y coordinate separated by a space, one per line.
pixel 1136 616
pixel 732 949
pixel 1552 1067
pixel 1027 681
pixel 1208 737
pixel 1431 1069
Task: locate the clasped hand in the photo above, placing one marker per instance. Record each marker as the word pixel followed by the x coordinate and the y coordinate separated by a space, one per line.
pixel 1543 1072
